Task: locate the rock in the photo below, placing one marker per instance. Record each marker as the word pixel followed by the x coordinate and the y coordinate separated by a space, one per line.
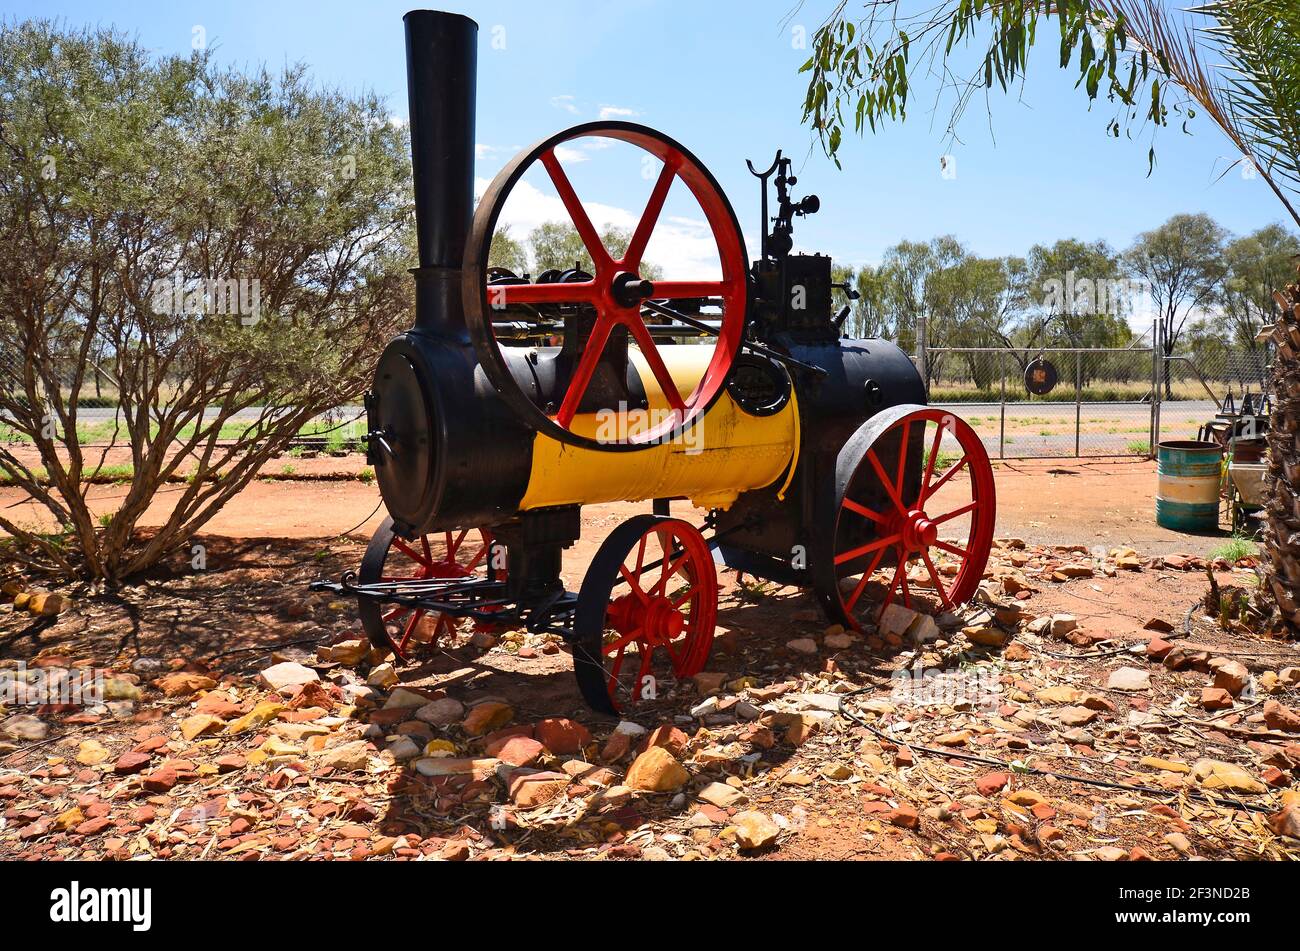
pixel 183 684
pixel 130 763
pixel 802 645
pixel 1158 648
pixel 628 728
pixel 720 795
pixel 1215 698
pixel 1016 651
pixel 1111 853
pixel 1179 843
pixel 1280 717
pixel 350 652
pixel 656 770
pixel 347 757
pixel 1289 676
pixel 1062 624
pixel 92 753
pixel 200 723
pixel 404 748
pixel 442 712
pixel 705 707
pixel 986 636
pixel 1286 822
pixel 710 682
pixel 800 727
pixel 838 641
pixel 1075 570
pixel 258 717
pixel 1059 693
pixel 991 783
pixel 562 736
pixel 1077 716
pixel 403 699
pixel 519 751
pixel 1169 766
pixel 1130 679
pixel 530 790
pixel 115 688
pixel 486 717
pixel 25 728
pixel 1214 774
pixel 161 780
pixel 435 766
pixel 382 677
pixel 904 816
pixel 668 737
pixel 287 675
pixel 754 830
pixel 896 619
pixel 1232 677
pixel 483 640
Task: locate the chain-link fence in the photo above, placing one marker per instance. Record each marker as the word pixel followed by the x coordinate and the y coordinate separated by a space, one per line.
pixel 1090 401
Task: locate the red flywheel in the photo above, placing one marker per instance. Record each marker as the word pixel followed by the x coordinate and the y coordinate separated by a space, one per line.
pixel 551 402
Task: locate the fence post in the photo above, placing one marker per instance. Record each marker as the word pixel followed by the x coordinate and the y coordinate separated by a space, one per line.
pixel 1158 364
pixel 1002 422
pixel 1078 398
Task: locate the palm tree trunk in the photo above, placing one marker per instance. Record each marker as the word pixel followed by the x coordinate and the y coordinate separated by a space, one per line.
pixel 1282 529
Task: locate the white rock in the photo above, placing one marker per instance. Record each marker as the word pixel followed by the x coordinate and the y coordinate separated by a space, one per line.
pixel 25 728
pixel 802 645
pixel 404 748
pixel 631 729
pixel 719 794
pixel 1129 678
pixel 896 619
pixel 283 676
pixel 383 677
pixel 405 699
pixel 704 707
pixel 441 712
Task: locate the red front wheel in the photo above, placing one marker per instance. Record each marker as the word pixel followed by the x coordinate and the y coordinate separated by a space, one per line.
pixel 911 516
pixel 646 613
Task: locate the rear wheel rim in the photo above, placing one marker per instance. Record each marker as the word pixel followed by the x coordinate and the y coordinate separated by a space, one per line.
pixel 936 515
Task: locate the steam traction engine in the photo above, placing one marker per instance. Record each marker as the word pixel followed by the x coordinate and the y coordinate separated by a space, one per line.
pixel 515 400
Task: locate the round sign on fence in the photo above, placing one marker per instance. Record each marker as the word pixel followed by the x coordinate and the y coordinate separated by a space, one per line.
pixel 1040 377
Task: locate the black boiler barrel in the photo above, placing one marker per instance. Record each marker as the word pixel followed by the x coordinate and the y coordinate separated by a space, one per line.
pixel 441 65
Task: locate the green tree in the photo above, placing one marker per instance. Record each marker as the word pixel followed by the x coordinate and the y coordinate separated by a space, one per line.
pixel 1258 265
pixel 231 247
pixel 507 252
pixel 1180 264
pixel 556 245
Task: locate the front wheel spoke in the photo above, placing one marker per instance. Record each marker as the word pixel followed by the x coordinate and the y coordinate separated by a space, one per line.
pixel 584 371
pixel 955 513
pixel 931 461
pixel 951 549
pixel 885 481
pixel 934 579
pixel 866 576
pixel 634 583
pixel 867 549
pixel 620 644
pixel 410 629
pixel 942 479
pixel 862 510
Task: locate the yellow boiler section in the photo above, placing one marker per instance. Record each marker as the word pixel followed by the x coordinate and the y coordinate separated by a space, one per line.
pixel 728 451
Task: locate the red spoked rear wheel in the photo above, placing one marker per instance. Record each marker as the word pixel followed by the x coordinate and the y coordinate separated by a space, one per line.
pixel 915 499
pixel 461 553
pixel 646 613
pixel 615 292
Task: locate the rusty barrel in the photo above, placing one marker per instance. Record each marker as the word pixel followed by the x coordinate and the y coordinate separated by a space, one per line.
pixel 1188 474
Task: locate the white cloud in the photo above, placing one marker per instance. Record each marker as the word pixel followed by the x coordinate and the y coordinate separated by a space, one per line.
pixel 397 122
pixel 567 154
pixel 566 103
pixel 617 112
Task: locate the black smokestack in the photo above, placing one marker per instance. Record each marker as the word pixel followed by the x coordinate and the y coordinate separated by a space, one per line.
pixel 441 61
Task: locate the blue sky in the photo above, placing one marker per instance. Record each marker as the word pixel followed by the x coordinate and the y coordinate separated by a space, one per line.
pixel 721 77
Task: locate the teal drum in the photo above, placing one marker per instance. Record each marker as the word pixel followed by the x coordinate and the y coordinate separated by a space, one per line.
pixel 1188 477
